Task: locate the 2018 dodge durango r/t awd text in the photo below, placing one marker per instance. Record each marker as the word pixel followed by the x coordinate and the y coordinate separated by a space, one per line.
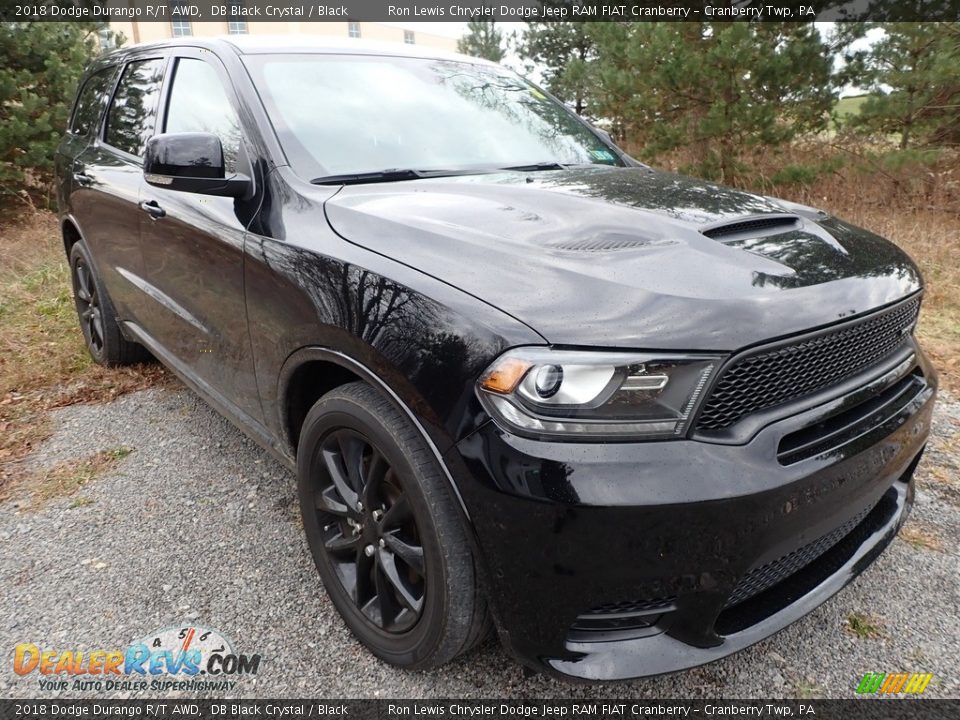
pixel 633 421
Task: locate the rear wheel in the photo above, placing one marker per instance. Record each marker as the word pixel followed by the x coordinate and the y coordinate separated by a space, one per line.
pixel 98 319
pixel 384 531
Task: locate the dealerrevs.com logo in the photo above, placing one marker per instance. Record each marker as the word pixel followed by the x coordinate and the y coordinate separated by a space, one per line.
pixel 183 658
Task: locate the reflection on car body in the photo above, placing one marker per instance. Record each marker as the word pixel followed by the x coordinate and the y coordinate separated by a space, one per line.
pixel 632 420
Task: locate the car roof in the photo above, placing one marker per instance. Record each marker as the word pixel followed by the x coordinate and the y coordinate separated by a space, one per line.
pixel 300 44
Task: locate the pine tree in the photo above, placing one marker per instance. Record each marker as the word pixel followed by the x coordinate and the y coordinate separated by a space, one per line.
pixel 714 88
pixel 913 72
pixel 40 65
pixel 482 40
pixel 562 50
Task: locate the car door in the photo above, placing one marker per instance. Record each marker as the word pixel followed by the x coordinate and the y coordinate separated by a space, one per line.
pixel 105 176
pixel 192 244
pixel 83 128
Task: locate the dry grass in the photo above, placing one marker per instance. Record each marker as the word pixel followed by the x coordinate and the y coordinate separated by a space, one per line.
pixel 938 474
pixel 807 688
pixel 920 537
pixel 34 489
pixel 43 362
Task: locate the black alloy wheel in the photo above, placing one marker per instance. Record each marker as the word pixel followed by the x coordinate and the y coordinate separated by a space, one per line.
pixel 88 306
pixel 386 534
pixel 98 318
pixel 370 532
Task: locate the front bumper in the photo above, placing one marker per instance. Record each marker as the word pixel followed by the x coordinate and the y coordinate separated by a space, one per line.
pixel 612 561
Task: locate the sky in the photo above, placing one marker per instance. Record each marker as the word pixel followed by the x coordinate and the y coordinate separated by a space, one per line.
pixel 457 29
pixel 447 29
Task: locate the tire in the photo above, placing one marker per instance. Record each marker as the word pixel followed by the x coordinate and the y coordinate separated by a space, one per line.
pixel 414 610
pixel 98 319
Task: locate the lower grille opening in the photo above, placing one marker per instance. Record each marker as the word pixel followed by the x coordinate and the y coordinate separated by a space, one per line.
pixel 766 576
pixel 851 424
pixel 788 589
pixel 621 621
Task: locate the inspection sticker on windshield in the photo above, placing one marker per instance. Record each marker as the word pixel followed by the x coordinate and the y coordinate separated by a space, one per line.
pixel 602 154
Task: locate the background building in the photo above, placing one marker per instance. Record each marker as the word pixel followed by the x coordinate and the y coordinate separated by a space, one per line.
pixel 138 32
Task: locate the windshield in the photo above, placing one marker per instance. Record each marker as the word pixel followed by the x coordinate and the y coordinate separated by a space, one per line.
pixel 341 114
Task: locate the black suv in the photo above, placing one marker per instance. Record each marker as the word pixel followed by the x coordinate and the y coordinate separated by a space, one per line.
pixel 633 420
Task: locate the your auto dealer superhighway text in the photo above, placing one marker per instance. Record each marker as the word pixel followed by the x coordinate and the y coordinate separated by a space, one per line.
pixel 474 710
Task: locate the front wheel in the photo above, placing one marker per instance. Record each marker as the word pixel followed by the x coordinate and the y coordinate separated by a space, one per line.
pixel 384 532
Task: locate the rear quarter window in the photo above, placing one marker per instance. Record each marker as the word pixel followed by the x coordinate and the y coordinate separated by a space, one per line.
pixel 91 101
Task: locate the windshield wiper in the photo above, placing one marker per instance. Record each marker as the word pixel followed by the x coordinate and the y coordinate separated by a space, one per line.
pixel 391 175
pixel 398 174
pixel 533 167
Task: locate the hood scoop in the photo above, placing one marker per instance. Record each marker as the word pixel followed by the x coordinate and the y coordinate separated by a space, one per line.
pixel 751 227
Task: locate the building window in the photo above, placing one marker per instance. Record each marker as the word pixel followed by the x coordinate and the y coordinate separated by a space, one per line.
pixel 409 38
pixel 237 27
pixel 353 29
pixel 179 28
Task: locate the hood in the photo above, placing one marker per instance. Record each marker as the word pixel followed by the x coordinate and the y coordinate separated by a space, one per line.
pixel 629 257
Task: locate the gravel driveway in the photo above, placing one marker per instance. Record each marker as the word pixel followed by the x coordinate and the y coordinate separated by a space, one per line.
pixel 198 525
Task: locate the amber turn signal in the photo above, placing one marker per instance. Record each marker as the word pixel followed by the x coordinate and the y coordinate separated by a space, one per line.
pixel 504 376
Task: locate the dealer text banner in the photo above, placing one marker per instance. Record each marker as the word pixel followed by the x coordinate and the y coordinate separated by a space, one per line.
pixel 491 709
pixel 502 10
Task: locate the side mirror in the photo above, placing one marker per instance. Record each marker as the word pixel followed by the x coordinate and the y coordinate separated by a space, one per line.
pixel 191 162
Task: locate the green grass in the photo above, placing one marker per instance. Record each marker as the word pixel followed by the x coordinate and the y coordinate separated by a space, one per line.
pixel 847 106
pixel 864 626
pixel 43 361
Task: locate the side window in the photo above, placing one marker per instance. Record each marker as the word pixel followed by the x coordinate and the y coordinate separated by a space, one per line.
pixel 199 103
pixel 90 104
pixel 133 113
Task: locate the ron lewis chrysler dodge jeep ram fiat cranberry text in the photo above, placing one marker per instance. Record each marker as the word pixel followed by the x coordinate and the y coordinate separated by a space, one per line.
pixel 633 421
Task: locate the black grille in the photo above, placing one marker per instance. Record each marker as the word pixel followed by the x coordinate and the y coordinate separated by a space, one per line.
pixel 620 620
pixel 766 576
pixel 787 591
pixel 632 607
pixel 767 377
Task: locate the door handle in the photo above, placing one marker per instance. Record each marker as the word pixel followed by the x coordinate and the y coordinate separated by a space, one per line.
pixel 82 178
pixel 153 209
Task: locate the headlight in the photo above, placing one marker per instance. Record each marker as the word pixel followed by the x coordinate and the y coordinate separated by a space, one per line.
pixel 591 396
